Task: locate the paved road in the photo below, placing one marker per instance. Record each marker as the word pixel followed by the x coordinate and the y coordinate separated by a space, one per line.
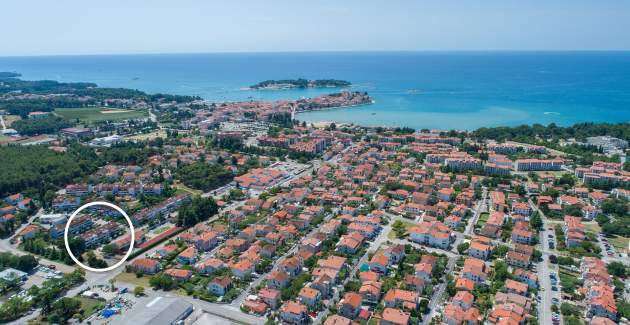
pixel 481 207
pixel 544 270
pixel 438 292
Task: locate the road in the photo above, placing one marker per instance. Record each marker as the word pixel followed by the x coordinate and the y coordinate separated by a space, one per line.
pixel 438 292
pixel 482 206
pixel 4 126
pixel 544 270
pixel 546 294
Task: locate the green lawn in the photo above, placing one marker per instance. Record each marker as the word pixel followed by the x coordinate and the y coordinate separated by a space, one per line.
pixel 96 114
pixel 619 243
pixel 407 224
pixel 130 278
pixel 483 218
pixel 90 306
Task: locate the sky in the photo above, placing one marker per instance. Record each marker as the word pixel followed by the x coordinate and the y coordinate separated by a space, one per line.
pixel 44 27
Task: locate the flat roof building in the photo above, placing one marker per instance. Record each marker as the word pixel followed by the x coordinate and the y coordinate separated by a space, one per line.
pixel 159 311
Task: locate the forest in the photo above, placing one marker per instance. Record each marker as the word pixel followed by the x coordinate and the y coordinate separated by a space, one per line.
pixel 73 94
pixel 537 132
pixel 50 124
pixel 204 176
pixel 37 169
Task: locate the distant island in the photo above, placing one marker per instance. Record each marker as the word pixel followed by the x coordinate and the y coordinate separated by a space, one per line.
pixel 299 83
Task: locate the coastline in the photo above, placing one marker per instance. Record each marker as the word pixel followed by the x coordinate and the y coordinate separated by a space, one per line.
pixel 336 107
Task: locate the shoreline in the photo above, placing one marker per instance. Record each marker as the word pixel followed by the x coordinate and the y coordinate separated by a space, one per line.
pixel 336 107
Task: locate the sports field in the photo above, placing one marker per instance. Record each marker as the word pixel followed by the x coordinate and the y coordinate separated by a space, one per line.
pixel 97 114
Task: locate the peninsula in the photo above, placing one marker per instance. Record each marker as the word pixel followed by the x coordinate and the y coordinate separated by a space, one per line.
pixel 299 83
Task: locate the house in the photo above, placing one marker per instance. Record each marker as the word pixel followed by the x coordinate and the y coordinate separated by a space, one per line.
pixel 424 271
pixel 601 302
pixel 206 241
pixel 521 208
pixel 145 265
pixel 432 233
pixel 348 244
pixel 528 277
pixel 371 292
pixel 464 299
pixel 598 320
pixel 291 265
pixel 516 287
pixel 179 275
pixel 309 296
pixel 398 297
pixel 255 307
pixel 332 262
pixel 513 298
pixel 393 316
pixel 464 284
pixel 507 313
pixel 475 270
pixel 379 263
pixel 220 285
pixel 414 283
pixel 166 250
pixel 517 259
pixel 270 296
pixel 187 256
pixel 573 231
pixel 337 320
pixel 209 266
pixel 454 314
pixel 394 253
pixel 295 313
pixel 324 283
pixel 522 236
pixel 278 279
pixel 242 268
pixel 369 276
pixel 350 305
pixel 480 250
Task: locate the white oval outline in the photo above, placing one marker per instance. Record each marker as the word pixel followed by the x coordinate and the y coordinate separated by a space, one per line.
pixel 113 206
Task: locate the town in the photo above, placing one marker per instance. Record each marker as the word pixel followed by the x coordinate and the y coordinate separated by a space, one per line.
pixel 244 214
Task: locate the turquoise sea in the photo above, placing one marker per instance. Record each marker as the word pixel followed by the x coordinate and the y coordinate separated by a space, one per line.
pixel 446 90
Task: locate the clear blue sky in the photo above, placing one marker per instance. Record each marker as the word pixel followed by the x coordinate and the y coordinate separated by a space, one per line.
pixel 40 27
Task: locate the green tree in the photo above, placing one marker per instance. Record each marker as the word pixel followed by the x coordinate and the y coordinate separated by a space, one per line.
pixel 138 291
pixel 617 269
pixel 461 248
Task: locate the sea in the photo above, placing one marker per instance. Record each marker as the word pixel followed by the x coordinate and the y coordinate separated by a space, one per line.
pixel 434 90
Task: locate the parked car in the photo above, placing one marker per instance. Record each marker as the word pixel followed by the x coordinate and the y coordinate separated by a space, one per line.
pixel 554 288
pixel 553 259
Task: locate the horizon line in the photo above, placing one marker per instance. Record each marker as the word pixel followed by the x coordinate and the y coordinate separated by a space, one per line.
pixel 507 51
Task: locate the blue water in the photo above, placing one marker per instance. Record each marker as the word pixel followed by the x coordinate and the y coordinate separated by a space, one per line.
pixel 446 90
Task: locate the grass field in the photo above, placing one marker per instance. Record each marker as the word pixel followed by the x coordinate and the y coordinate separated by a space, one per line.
pixel 483 218
pixel 407 224
pixel 180 188
pixel 90 305
pixel 593 227
pixel 9 119
pixel 97 114
pixel 148 136
pixel 131 278
pixel 619 243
